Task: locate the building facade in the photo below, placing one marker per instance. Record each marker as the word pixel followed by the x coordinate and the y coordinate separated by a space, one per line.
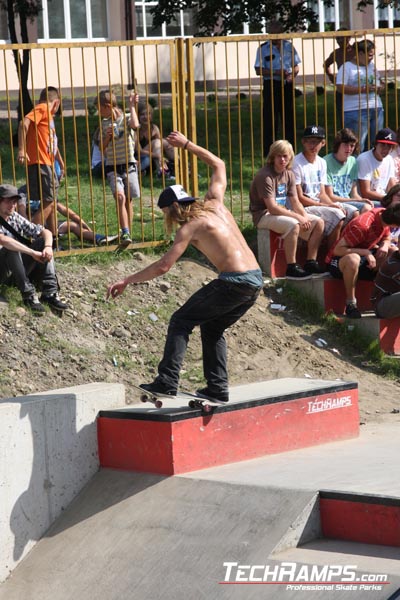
pixel 109 20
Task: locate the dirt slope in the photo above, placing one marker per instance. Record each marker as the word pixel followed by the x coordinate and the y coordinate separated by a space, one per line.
pixel 122 341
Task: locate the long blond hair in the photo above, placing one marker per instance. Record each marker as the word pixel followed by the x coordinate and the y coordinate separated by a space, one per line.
pixel 180 213
pixel 280 147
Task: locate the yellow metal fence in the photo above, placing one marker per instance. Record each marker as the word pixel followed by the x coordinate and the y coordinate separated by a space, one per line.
pixel 206 87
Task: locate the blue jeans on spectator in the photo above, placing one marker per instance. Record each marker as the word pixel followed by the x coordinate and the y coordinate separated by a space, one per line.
pixel 359 120
pixel 214 307
pixel 21 268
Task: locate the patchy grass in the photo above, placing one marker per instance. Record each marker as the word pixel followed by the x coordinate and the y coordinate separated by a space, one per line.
pixel 356 342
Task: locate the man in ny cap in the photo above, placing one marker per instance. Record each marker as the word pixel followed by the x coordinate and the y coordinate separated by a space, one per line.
pixel 376 169
pixel 26 255
pixel 210 228
pixel 311 179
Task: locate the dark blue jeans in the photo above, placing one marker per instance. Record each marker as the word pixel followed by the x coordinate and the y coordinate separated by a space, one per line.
pixel 23 269
pixel 215 307
pixel 283 111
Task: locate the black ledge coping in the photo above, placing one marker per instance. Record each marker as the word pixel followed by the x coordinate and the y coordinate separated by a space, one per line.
pixel 172 414
pixel 360 498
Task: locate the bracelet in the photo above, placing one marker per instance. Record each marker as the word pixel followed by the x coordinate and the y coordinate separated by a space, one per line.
pixel 186 145
pixel 48 246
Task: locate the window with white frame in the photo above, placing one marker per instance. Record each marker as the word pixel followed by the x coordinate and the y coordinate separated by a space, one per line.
pixel 389 16
pixel 329 18
pixel 336 15
pixel 73 19
pixel 181 26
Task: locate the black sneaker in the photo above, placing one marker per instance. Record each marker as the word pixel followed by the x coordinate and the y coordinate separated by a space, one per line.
pixel 157 388
pixel 296 272
pixel 313 268
pixel 125 240
pixel 53 301
pixel 34 305
pixel 352 311
pixel 208 395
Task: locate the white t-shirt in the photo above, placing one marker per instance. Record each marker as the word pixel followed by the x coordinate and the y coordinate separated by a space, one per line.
pixel 310 175
pixel 351 74
pixel 378 172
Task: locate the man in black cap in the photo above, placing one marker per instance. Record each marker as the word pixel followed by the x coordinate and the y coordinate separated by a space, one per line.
pixel 210 228
pixel 26 253
pixel 376 171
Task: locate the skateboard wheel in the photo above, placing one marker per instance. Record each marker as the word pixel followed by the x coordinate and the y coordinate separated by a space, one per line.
pixel 157 403
pixel 144 398
pixel 207 408
pixel 192 404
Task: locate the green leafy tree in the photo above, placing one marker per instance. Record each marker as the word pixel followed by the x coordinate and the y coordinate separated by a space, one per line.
pixel 219 17
pixel 22 11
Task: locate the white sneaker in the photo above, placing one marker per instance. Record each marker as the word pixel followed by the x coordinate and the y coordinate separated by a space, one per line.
pixel 108 239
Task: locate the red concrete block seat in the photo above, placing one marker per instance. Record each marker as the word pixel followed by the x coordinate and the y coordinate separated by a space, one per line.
pixel 331 296
pixel 271 255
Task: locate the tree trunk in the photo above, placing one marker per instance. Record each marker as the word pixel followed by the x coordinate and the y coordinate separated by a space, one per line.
pixel 24 101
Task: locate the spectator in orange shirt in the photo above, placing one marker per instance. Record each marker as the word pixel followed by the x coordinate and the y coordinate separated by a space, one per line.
pixel 37 146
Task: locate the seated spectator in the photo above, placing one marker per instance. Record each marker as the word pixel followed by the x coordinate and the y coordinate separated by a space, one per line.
pixel 395 154
pixel 274 205
pixel 74 223
pixel 376 167
pixel 342 172
pixel 97 164
pixel 151 146
pixel 311 179
pixel 385 297
pixel 363 247
pixel 21 260
pixel 391 198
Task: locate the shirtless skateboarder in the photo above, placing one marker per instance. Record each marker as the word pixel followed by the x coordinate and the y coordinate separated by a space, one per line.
pixel 210 228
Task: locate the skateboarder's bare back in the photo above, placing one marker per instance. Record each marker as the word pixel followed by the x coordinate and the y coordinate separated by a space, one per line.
pixel 218 237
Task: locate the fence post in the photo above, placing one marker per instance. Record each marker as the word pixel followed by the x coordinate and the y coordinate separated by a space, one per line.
pixel 194 180
pixel 181 78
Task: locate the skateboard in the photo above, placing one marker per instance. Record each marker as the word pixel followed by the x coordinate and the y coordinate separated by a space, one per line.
pixel 206 405
pixel 151 397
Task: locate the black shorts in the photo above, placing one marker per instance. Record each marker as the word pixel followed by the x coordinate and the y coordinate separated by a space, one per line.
pixel 364 272
pixel 43 183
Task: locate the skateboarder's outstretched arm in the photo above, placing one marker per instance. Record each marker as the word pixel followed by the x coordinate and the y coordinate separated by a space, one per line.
pixel 217 185
pixel 160 267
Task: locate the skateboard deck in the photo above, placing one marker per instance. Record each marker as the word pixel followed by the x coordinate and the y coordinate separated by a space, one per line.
pixel 204 404
pixel 155 399
pixel 207 405
pixel 193 401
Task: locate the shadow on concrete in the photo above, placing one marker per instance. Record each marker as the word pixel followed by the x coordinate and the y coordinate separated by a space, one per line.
pixel 63 458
